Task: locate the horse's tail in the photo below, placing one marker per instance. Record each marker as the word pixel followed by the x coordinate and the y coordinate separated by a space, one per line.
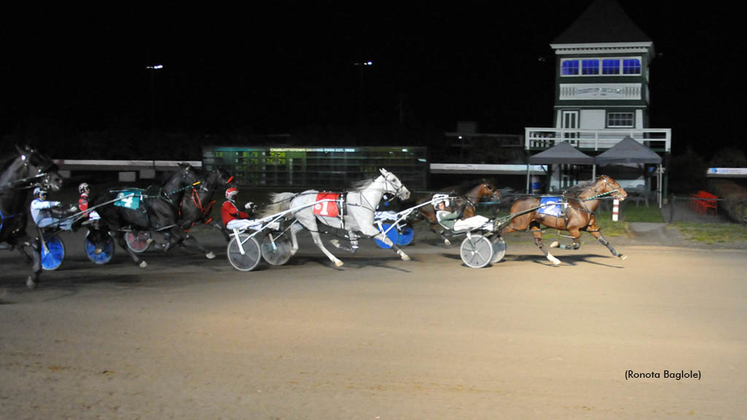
pixel 279 202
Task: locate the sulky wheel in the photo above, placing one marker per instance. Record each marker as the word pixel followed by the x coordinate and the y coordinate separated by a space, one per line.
pixel 138 240
pixel 104 254
pixel 406 235
pixel 249 258
pixel 476 251
pixel 499 248
pixel 52 252
pixel 276 249
pixel 392 234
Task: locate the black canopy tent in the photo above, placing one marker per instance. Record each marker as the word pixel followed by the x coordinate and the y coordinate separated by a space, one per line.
pixel 562 153
pixel 629 151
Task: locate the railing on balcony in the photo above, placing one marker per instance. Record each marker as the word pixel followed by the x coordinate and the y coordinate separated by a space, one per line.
pixel 657 139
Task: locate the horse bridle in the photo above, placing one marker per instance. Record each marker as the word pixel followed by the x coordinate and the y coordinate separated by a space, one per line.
pixel 397 189
pixel 30 182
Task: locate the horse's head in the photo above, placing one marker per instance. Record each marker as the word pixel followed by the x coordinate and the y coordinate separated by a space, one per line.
pixel 393 185
pixel 488 190
pixel 39 170
pixel 606 184
pixel 221 179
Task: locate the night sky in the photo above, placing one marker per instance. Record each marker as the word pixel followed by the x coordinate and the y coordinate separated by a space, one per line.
pixel 275 68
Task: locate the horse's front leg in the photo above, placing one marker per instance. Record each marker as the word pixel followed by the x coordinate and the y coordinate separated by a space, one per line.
pixel 208 254
pixel 377 234
pixel 597 233
pixel 537 234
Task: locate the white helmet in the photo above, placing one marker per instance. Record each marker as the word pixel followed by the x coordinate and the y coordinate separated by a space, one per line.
pixel 440 198
pixel 231 193
pixel 38 191
pixel 83 187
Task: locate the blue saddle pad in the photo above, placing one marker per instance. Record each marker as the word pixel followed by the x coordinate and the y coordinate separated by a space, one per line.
pixel 551 206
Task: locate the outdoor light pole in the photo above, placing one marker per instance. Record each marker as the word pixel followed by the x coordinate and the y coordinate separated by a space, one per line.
pixel 153 70
pixel 361 65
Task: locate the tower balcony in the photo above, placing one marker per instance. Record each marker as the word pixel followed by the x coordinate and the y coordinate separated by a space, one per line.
pixel 538 139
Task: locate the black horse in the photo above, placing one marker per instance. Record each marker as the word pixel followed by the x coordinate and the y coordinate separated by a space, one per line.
pixel 156 209
pixel 18 175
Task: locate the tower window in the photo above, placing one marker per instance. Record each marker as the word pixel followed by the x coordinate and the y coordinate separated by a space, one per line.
pixel 601 67
pixel 619 119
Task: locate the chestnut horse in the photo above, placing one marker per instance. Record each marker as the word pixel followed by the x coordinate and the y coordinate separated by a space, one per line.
pixel 577 214
pixel 467 196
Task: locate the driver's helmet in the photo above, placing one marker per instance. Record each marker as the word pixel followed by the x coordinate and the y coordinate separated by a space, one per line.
pixel 84 188
pixel 440 198
pixel 231 193
pixel 38 191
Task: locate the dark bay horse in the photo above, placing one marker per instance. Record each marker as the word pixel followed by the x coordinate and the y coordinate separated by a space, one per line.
pixel 467 197
pixel 18 175
pixel 576 215
pixel 197 202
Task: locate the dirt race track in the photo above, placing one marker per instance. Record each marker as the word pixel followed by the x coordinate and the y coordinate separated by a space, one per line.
pixel 379 338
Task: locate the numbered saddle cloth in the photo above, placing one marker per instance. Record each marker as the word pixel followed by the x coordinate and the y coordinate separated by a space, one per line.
pixel 551 206
pixel 129 199
pixel 328 205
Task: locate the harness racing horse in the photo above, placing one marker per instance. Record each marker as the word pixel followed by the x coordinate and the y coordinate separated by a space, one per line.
pixel 576 214
pixel 355 215
pixel 196 205
pixel 147 210
pixel 468 196
pixel 19 174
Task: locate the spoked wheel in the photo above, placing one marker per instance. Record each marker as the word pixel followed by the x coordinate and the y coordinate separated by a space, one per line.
pixel 137 240
pixel 476 251
pixel 52 252
pixel 499 248
pixel 393 235
pixel 249 258
pixel 276 249
pixel 105 253
pixel 406 235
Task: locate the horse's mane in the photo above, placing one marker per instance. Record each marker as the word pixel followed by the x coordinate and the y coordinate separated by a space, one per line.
pixel 361 185
pixel 579 188
pixel 5 162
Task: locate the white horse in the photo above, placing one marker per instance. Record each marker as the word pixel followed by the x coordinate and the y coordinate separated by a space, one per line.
pixel 356 215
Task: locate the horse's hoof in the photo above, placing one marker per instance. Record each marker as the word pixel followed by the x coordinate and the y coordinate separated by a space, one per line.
pixel 143 264
pixel 210 255
pixel 335 243
pixel 555 262
pixel 447 242
pixel 623 257
pixel 338 263
pixel 30 283
pixel 406 257
pixel 555 244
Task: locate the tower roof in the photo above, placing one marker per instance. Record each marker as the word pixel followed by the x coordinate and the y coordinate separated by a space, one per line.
pixel 604 21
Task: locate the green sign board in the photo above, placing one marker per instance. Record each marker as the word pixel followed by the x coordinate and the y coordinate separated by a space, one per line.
pixel 318 167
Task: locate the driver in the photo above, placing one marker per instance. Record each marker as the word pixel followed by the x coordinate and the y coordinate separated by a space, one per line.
pixel 41 212
pixel 450 219
pixel 233 218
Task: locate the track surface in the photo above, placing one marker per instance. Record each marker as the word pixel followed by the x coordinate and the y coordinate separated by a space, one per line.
pixel 379 338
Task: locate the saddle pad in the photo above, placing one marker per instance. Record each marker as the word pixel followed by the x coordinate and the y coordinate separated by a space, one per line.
pixel 128 199
pixel 551 206
pixel 327 208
